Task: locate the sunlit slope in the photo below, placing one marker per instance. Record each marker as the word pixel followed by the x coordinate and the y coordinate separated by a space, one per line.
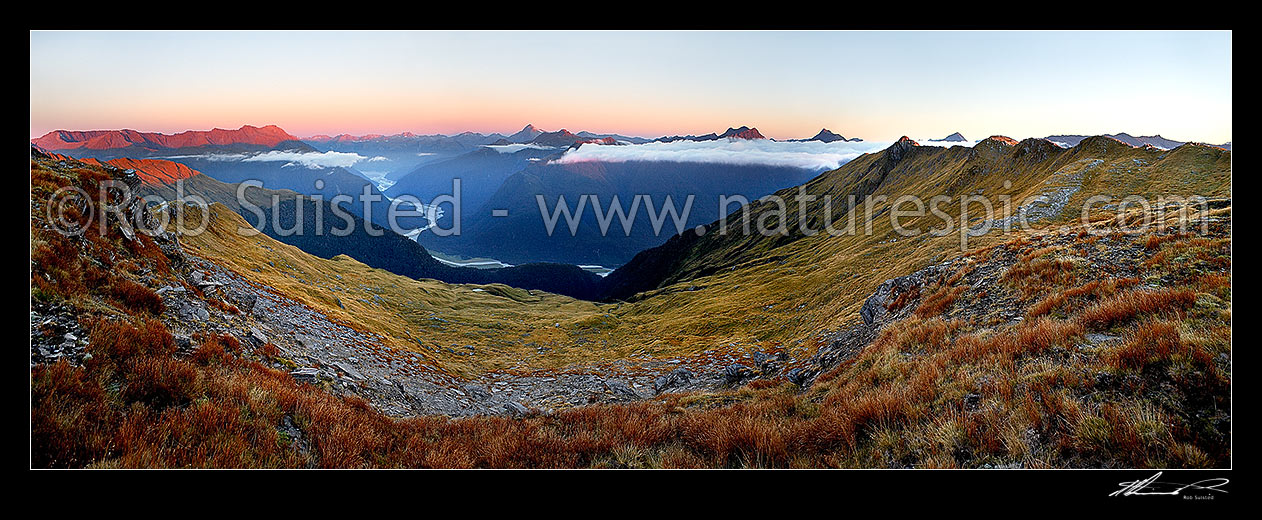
pixel 506 324
pixel 728 291
pixel 789 286
pixel 1122 359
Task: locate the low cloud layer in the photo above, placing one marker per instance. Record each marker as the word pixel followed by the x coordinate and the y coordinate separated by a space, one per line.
pixel 810 155
pixel 313 160
pixel 514 148
pixel 945 144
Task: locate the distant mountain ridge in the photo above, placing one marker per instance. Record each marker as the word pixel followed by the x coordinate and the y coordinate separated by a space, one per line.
pixel 387 250
pixel 1154 140
pixel 827 136
pixel 564 138
pixel 559 138
pixel 744 132
pixel 230 156
pixel 530 134
pixel 953 138
pixel 526 135
pixel 686 259
pixel 59 140
pixel 395 156
pixel 473 138
pixel 616 137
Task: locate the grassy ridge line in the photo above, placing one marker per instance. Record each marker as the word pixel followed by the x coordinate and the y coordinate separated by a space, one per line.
pixel 786 288
pixel 933 391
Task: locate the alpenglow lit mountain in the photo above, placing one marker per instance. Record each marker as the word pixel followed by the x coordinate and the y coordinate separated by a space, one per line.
pixel 64 140
pixel 265 154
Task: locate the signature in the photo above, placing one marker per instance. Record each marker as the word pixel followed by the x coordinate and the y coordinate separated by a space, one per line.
pixel 1151 486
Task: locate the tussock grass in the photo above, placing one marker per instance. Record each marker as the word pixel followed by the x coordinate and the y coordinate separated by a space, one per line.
pixel 1126 306
pixel 1090 291
pixel 929 392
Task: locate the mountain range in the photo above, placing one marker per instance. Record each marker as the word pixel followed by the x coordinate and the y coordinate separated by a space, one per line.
pixel 63 140
pixel 480 171
pixel 1059 346
pixel 496 179
pixel 1153 140
pixel 387 250
pixel 744 132
pixel 527 134
pixel 265 154
pixel 924 169
pixel 522 234
pixel 395 156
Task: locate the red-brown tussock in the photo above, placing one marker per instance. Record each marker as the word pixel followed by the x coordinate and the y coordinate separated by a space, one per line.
pixel 1126 306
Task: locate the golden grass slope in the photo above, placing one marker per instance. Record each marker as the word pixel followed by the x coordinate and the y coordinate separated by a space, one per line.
pixel 733 292
pixel 507 324
pixel 934 390
pixel 787 288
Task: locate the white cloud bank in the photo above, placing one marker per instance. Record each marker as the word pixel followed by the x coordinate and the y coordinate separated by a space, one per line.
pixel 517 147
pixel 313 160
pixel 945 144
pixel 810 155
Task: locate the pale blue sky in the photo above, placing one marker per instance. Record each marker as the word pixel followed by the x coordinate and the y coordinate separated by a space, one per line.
pixel 875 85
